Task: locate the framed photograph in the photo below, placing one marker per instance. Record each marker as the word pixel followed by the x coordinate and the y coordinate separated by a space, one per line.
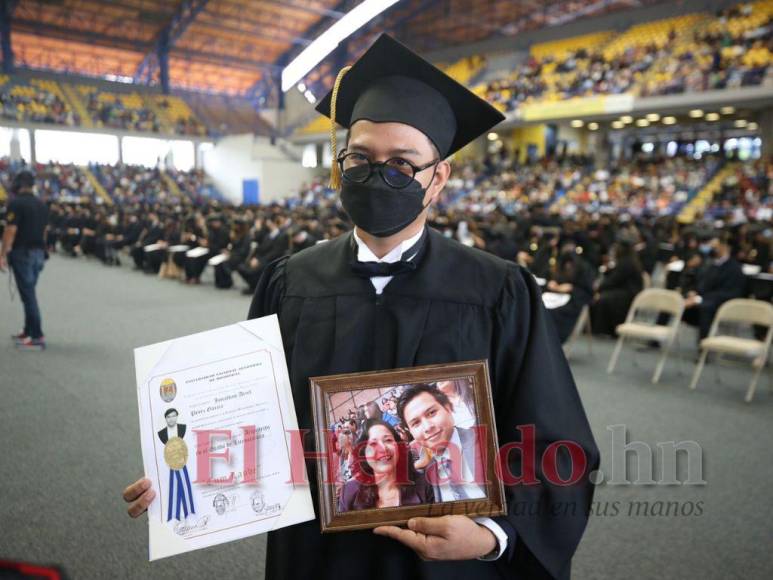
pixel 403 443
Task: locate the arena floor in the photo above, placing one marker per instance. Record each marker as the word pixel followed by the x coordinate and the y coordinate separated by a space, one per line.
pixel 69 420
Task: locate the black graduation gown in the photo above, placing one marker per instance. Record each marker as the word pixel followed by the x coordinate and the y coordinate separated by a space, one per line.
pixel 618 288
pixel 459 304
pixel 565 317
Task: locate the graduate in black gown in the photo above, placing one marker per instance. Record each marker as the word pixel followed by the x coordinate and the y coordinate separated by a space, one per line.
pixel 621 283
pixel 574 276
pixel 444 303
pixel 394 293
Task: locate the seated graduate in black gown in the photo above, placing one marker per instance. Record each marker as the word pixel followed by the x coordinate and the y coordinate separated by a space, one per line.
pixel 273 243
pixel 383 472
pixel 574 276
pixel 237 251
pixel 621 283
pixel 216 241
pixel 152 233
pixel 722 280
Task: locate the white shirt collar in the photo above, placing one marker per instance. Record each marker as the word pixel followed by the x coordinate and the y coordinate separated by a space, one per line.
pixel 364 253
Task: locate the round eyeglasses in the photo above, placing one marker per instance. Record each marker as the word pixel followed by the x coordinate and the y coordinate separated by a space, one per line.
pixel 396 172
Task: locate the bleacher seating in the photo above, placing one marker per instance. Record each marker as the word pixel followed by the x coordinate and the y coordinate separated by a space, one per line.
pixel 178 115
pixel 122 183
pixel 224 114
pixel 692 52
pixel 128 184
pixel 687 53
pixel 34 101
pixel 119 110
pixel 659 33
pixel 565 47
pixel 55 181
pixel 43 100
pixel 465 69
pixel 318 124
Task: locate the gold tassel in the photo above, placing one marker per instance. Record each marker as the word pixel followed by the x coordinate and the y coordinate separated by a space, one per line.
pixel 335 170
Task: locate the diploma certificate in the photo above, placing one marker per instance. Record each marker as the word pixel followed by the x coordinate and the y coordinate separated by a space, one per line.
pixel 216 423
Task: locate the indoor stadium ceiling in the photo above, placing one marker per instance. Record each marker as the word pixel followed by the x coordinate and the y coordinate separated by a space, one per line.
pixel 238 46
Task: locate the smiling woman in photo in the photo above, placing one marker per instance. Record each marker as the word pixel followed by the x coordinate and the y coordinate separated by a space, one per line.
pixel 383 473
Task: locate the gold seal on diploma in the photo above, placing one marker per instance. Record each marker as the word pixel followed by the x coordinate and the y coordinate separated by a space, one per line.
pixel 175 453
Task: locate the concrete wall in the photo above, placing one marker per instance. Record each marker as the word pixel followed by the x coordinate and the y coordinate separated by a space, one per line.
pixel 239 157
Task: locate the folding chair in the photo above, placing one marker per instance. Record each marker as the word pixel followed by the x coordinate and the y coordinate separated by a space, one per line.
pixel 657 300
pixel 582 324
pixel 745 311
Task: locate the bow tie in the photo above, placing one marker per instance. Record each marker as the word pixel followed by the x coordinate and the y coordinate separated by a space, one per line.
pixel 409 261
pixel 371 269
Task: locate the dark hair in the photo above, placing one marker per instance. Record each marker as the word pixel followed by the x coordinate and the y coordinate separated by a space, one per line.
pixel 625 251
pixel 721 236
pixel 414 391
pixel 169 412
pixel 373 407
pixel 363 473
pixel 23 180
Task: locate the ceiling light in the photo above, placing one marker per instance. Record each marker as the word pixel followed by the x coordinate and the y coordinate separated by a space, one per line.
pixel 696 113
pixel 593 126
pixel 669 120
pixel 642 123
pixel 618 124
pixel 740 123
pixel 626 119
pixel 652 117
pixel 577 123
pixel 329 40
pixel 727 110
pixel 492 136
pixel 752 126
pixel 712 116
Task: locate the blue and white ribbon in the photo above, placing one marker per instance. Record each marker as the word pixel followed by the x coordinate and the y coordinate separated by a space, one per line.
pixel 180 494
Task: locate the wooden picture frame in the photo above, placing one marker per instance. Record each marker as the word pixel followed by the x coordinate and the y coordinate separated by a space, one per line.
pixel 359 387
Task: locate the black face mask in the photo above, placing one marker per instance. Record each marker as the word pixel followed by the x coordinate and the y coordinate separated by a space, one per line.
pixel 380 210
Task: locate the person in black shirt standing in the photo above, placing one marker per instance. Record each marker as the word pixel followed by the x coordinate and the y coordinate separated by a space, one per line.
pixel 24 248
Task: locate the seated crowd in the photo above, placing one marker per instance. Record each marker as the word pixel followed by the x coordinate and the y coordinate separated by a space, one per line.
pixel 114 113
pixel 30 104
pixel 37 100
pixel 600 247
pixel 714 56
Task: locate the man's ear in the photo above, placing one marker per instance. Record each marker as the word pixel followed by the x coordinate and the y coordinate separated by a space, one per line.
pixel 442 174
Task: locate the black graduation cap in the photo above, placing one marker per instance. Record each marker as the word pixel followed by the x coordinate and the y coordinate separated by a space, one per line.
pixel 391 83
